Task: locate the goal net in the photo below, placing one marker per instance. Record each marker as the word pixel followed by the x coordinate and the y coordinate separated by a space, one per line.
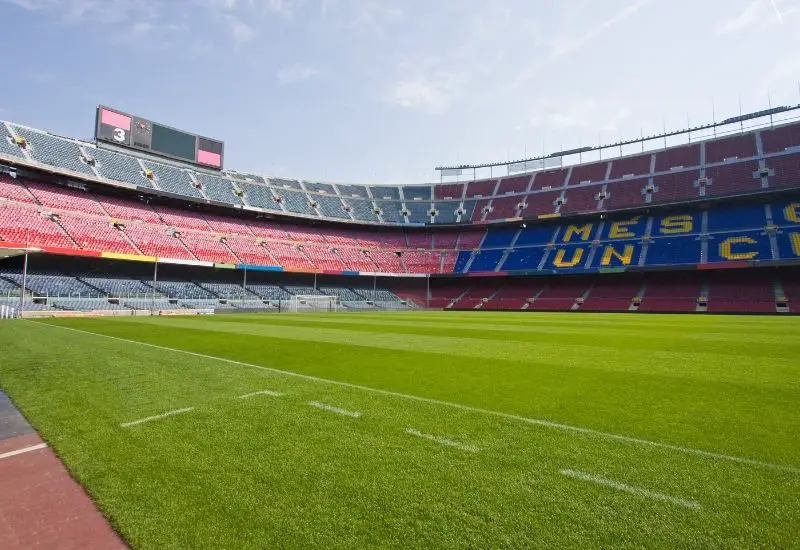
pixel 302 303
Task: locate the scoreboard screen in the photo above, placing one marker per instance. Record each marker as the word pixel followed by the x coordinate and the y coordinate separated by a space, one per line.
pixel 113 126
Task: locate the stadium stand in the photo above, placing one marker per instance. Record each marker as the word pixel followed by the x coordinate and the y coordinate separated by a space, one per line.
pixel 719 203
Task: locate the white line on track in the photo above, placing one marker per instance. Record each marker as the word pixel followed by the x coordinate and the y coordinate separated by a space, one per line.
pixel 337 410
pixel 443 441
pixel 262 392
pixel 508 416
pixel 23 450
pixel 630 489
pixel 156 417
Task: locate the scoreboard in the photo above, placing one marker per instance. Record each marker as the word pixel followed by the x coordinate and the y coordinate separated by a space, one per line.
pixel 113 126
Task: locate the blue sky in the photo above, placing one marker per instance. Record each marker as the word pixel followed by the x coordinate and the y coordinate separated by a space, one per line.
pixel 382 91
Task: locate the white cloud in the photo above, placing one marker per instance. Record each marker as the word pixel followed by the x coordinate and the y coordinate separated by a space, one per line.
pixel 749 17
pixel 297 73
pixel 588 114
pixel 434 94
pixel 570 42
pixel 240 31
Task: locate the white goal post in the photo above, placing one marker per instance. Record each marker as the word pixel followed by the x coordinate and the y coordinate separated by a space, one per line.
pixel 302 303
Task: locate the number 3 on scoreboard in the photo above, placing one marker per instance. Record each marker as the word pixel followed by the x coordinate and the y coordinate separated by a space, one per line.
pixel 119 135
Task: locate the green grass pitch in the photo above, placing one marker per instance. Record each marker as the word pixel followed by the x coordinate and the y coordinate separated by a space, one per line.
pixel 423 429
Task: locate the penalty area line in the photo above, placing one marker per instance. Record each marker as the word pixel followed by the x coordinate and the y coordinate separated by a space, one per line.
pixel 337 410
pixel 156 417
pixel 591 478
pixel 443 441
pixel 508 416
pixel 262 392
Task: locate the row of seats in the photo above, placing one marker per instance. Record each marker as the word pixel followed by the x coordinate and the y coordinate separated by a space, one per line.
pixel 52 216
pixel 744 291
pixel 729 165
pixel 62 288
pixel 750 232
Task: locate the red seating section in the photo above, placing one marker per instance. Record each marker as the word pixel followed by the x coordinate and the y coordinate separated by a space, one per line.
pixel 581 199
pixel 739 146
pixel 588 172
pixel 517 184
pixel 625 194
pixel 685 157
pixel 560 294
pixel 727 179
pixel 786 169
pixel 741 293
pixel 668 293
pixel 448 191
pixel 64 198
pixel 19 224
pixel 504 207
pixel 125 209
pixel 612 294
pixel 551 179
pixel 12 189
pixel 630 166
pixel 676 186
pixel 95 233
pixel 780 139
pixel 156 240
pixel 483 188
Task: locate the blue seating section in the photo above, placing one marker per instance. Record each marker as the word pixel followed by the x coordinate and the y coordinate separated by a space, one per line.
pixel 392 211
pixel 740 246
pixel 54 151
pixel 417 192
pixel 461 261
pixel 217 189
pixel 736 217
pixel 499 237
pixel 446 211
pixel 786 213
pixel 486 260
pixel 418 212
pixel 385 193
pixel 535 235
pixel 523 259
pixel 789 244
pixel 673 251
pixel 362 210
pixel 468 209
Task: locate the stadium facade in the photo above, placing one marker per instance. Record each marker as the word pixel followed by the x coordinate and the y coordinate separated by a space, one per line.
pixel 704 226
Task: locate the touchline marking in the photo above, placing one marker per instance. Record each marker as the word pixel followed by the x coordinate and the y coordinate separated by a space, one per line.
pixel 262 392
pixel 156 417
pixel 337 410
pixel 630 489
pixel 23 450
pixel 443 441
pixel 508 416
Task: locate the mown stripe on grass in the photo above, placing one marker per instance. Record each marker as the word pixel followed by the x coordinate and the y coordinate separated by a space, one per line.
pixel 499 414
pixel 630 488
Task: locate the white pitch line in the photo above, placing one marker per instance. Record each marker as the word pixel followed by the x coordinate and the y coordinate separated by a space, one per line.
pixel 630 488
pixel 443 441
pixel 262 392
pixel 156 417
pixel 337 410
pixel 508 416
pixel 23 450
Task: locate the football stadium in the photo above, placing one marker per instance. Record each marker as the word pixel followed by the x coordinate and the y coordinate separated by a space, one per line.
pixel 590 347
